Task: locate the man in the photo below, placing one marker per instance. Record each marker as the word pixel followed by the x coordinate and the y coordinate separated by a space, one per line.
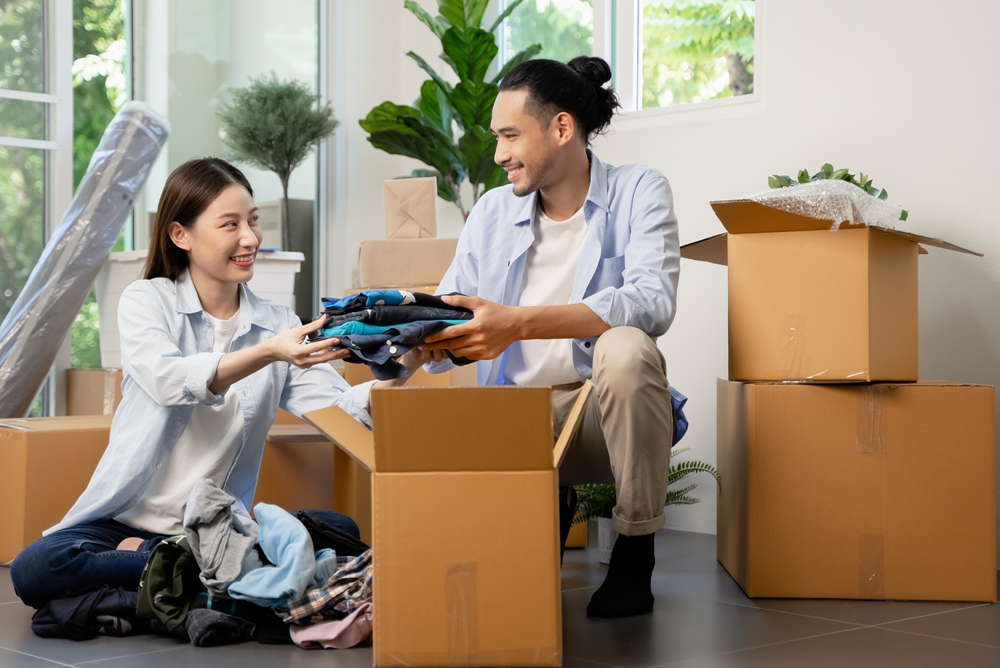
pixel 572 274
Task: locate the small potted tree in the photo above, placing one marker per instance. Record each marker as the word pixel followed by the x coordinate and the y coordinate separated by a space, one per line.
pixel 272 125
pixel 597 500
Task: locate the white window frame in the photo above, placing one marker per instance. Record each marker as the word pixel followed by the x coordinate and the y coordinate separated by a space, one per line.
pixel 618 39
pixel 57 18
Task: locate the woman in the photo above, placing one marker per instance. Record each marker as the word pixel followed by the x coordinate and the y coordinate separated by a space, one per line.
pixel 206 366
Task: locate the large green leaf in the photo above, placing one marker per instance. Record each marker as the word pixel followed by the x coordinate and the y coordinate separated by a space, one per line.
pixel 474 103
pixel 469 52
pixel 511 6
pixel 387 116
pixel 477 147
pixel 517 59
pixel 425 17
pixel 463 13
pixel 436 107
pixel 445 86
pixel 444 189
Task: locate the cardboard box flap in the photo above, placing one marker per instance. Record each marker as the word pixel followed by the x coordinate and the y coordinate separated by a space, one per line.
pixel 352 436
pixel 295 433
pixel 572 424
pixel 930 241
pixel 713 249
pixel 462 429
pixel 60 423
pixel 744 216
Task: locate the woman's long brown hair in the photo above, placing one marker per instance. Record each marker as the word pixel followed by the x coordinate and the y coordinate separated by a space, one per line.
pixel 187 193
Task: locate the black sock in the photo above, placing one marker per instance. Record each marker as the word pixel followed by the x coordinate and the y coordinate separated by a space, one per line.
pixel 567 509
pixel 626 590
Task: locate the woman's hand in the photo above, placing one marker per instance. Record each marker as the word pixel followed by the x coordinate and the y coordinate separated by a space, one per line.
pixel 289 347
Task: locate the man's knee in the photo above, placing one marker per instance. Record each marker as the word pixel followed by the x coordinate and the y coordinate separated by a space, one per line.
pixel 626 354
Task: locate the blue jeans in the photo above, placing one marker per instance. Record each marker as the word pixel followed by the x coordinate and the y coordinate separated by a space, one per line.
pixel 67 561
pixel 70 560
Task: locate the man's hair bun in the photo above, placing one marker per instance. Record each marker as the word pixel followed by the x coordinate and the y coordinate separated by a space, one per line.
pixel 592 69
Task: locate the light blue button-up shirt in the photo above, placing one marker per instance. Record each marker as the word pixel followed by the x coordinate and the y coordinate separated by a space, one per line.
pixel 168 364
pixel 627 271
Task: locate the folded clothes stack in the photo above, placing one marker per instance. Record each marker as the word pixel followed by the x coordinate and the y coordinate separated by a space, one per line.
pixel 380 326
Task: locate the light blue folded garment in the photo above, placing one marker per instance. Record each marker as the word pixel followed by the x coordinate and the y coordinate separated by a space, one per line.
pixel 287 545
pixel 326 566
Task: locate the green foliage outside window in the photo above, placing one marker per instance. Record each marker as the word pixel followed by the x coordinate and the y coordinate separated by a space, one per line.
pixel 99 90
pixel 696 50
pixel 564 28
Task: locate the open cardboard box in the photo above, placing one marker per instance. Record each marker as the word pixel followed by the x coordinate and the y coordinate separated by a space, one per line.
pixel 449 466
pixel 806 303
pixel 858 491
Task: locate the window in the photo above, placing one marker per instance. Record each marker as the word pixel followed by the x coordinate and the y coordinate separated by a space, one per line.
pixel 663 53
pixel 695 50
pixel 36 149
pixel 564 29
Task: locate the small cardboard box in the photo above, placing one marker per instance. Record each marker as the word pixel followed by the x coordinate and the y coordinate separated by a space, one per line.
pixel 93 391
pixel 410 208
pixel 449 467
pixel 806 303
pixel 858 491
pixel 400 262
pixel 45 464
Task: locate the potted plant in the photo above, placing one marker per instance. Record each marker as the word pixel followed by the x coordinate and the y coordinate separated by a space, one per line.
pixel 426 130
pixel 272 125
pixel 597 500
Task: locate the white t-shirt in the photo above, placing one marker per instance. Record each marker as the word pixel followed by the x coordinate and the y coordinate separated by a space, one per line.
pixel 549 271
pixel 206 449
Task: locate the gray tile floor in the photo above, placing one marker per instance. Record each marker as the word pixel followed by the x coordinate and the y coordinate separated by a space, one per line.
pixel 702 619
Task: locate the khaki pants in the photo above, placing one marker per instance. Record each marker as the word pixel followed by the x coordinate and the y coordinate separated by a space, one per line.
pixel 626 430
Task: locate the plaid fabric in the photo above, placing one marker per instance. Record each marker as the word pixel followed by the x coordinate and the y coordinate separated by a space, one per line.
pixel 346 590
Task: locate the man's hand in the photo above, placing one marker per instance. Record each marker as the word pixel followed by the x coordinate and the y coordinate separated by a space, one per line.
pixel 491 331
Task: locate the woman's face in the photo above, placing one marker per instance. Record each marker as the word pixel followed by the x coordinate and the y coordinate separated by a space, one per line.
pixel 224 240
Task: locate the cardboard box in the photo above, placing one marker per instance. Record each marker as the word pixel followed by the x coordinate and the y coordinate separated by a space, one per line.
pixel 410 208
pixel 579 536
pixel 93 391
pixel 449 467
pixel 45 464
pixel 460 376
pixel 858 491
pixel 806 303
pixel 401 262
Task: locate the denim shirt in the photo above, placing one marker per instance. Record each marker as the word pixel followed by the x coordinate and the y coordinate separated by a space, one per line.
pixel 168 364
pixel 627 271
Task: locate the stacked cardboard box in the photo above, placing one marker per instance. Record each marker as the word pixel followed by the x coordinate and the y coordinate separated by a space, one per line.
pixel 93 391
pixel 843 477
pixel 411 254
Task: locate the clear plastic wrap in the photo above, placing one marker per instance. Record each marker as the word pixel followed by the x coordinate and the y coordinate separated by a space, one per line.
pixel 31 333
pixel 831 199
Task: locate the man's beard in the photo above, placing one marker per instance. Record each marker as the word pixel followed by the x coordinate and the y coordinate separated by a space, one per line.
pixel 532 179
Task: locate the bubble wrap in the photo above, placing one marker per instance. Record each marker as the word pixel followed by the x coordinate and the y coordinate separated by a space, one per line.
pixel 43 313
pixel 831 199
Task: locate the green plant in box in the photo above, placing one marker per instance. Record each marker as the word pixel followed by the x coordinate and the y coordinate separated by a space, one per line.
pixel 597 500
pixel 827 172
pixel 426 130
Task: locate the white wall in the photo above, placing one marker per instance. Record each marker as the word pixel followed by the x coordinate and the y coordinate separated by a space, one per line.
pixel 900 90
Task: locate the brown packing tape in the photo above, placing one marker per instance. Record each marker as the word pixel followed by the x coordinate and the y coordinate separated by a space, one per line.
pixel 462 612
pixel 871 441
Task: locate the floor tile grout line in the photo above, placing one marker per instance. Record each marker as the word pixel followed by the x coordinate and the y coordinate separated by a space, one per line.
pixel 747 649
pixel 34 656
pixel 931 614
pixel 926 635
pixel 129 656
pixel 596 663
pixel 786 612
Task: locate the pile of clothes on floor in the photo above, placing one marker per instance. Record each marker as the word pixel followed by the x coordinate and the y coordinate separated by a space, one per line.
pixel 286 578
pixel 380 326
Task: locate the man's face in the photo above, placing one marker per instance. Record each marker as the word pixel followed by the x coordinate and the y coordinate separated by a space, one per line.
pixel 525 149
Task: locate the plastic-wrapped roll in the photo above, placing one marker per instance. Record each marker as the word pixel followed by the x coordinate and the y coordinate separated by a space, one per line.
pixel 38 321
